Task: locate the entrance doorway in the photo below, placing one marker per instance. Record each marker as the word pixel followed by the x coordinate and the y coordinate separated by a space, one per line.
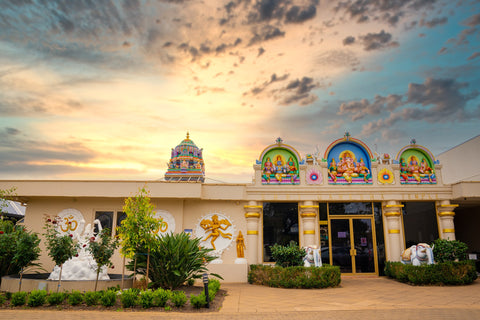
pixel 352 245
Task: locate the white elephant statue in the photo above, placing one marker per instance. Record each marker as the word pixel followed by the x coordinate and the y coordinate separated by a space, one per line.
pixel 418 254
pixel 313 257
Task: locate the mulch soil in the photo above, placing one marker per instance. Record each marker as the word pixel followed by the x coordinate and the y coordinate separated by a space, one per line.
pixel 215 305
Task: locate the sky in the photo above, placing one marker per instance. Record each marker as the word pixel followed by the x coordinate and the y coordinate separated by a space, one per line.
pixel 104 89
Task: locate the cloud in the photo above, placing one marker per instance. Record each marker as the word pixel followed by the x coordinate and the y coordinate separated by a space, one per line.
pixel 261 88
pixel 474 55
pixel 297 14
pixel 473 21
pixel 377 41
pixel 348 40
pixel 265 33
pixel 281 10
pixel 359 109
pixel 299 91
pixel 437 100
pixel 434 22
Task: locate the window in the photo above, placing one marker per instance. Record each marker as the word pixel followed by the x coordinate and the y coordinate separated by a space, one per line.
pixel 420 223
pixel 107 218
pixel 280 225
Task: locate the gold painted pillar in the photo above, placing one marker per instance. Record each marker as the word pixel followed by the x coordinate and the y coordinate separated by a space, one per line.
pixel 253 212
pixel 446 227
pixel 392 221
pixel 309 224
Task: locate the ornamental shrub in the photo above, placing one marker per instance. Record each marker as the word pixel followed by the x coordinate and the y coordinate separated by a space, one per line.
pixel 37 298
pixel 92 297
pixel 174 259
pixel 19 298
pixel 178 298
pixel 75 298
pixel 444 273
pixel 198 301
pixel 449 250
pixel 161 297
pixel 2 299
pixel 102 250
pixel 288 256
pixel 295 277
pixel 146 298
pixel 56 298
pixel 108 298
pixel 129 297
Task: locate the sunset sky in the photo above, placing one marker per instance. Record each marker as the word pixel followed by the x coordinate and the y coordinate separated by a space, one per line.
pixel 104 89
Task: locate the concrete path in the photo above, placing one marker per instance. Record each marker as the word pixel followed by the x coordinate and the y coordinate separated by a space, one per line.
pixel 356 298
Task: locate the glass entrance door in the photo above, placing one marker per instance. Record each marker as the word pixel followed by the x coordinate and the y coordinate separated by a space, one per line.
pixel 352 245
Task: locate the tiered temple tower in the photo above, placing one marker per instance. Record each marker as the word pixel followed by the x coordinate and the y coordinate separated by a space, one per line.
pixel 186 163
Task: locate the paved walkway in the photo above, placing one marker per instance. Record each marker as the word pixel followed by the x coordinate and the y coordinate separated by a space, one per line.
pixel 356 298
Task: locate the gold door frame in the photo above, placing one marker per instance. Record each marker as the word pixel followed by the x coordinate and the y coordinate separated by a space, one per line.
pixel 352 243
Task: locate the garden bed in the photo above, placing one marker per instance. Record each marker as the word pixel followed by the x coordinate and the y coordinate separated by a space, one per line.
pixel 195 290
pixel 444 273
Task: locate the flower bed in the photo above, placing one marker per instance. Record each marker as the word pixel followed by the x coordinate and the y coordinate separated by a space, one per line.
pixel 444 273
pixel 295 277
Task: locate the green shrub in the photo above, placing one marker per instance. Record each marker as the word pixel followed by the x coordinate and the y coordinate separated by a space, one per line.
pixel 178 298
pixel 146 299
pixel 37 298
pixel 449 250
pixel 75 298
pixel 198 301
pixel 295 277
pixel 174 259
pixel 108 298
pixel 161 297
pixel 2 299
pixel 445 273
pixel 19 298
pixel 55 298
pixel 213 286
pixel 128 298
pixel 92 297
pixel 288 256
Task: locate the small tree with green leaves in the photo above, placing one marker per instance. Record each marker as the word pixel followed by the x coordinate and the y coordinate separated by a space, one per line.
pixel 61 247
pixel 137 229
pixel 18 249
pixel 102 250
pixel 27 251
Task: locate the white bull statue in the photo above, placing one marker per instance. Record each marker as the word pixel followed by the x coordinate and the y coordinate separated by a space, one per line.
pixel 418 254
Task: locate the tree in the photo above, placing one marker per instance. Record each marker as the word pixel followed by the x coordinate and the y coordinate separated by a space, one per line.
pixel 60 247
pixel 102 250
pixel 137 229
pixel 18 249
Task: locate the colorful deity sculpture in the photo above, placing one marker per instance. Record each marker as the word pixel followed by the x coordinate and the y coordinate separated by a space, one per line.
pixel 332 170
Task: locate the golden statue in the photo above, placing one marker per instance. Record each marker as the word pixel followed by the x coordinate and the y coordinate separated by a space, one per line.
pixel 240 245
pixel 214 226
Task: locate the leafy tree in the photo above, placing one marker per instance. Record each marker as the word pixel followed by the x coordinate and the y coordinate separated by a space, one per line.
pixel 137 229
pixel 18 249
pixel 27 251
pixel 174 259
pixel 60 247
pixel 102 250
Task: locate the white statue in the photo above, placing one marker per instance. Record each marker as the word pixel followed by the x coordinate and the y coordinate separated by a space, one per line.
pixel 418 254
pixel 313 257
pixel 82 266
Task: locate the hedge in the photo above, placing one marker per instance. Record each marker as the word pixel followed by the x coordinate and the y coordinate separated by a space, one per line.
pixel 294 277
pixel 444 273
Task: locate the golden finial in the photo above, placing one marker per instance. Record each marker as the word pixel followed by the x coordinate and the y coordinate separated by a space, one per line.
pixel 188 135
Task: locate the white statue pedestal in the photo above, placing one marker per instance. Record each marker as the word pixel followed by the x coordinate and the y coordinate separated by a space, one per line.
pixel 240 261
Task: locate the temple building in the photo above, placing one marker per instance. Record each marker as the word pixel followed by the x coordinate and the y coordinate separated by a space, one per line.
pixel 359 208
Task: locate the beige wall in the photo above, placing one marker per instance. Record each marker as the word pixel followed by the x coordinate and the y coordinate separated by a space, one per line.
pixel 461 162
